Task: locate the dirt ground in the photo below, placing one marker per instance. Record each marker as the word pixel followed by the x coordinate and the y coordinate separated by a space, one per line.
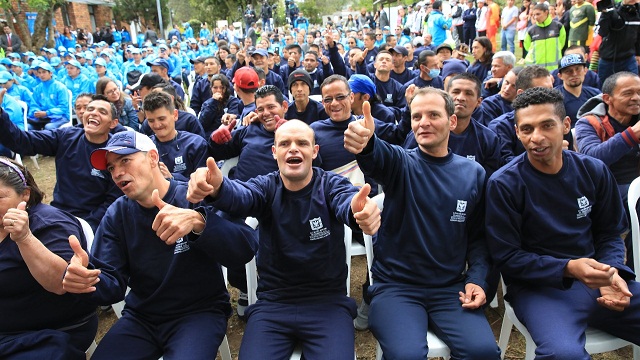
pixel 365 342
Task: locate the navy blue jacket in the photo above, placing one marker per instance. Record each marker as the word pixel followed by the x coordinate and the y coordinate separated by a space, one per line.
pixel 503 126
pixel 200 93
pixel 313 112
pixel 211 113
pixel 302 251
pixel 492 107
pixel 183 155
pixel 582 215
pixel 429 234
pixel 80 189
pixel 167 282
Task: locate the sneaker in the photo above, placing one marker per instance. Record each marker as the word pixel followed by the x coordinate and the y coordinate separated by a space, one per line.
pixel 362 320
pixel 243 302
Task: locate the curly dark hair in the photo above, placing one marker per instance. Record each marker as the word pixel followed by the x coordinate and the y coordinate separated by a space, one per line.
pixel 540 96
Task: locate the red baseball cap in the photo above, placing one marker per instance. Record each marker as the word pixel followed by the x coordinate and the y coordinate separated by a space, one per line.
pixel 246 78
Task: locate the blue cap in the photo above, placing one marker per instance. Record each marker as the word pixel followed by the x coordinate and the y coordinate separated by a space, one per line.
pixel 60 49
pixel 6 61
pixel 100 61
pixel 5 76
pixel 55 61
pixel 80 54
pixel 159 62
pixel 386 28
pixel 453 66
pixel 362 84
pixel 71 50
pixel 14 56
pixel 262 52
pixel 135 51
pixel 43 65
pixel 79 46
pixel 115 44
pixel 88 55
pixel 74 63
pixel 41 58
pixel 570 60
pixel 163 46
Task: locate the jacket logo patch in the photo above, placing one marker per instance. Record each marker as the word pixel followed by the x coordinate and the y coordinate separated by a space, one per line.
pixel 318 231
pixel 584 208
pixel 460 214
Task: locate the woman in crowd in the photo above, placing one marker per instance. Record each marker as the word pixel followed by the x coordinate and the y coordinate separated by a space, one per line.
pixel 39 319
pixel 127 115
pixel 222 101
pixel 482 52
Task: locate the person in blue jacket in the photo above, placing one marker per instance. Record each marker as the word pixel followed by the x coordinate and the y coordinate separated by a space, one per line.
pixel 554 220
pixel 39 320
pixel 89 192
pixel 302 211
pixel 169 255
pixel 188 31
pixel 438 24
pixel 431 258
pixel 77 82
pixel 19 92
pixel 181 152
pixel 222 102
pixel 50 106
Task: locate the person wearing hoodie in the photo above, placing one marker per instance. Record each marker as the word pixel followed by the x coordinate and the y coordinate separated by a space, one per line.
pixel 608 129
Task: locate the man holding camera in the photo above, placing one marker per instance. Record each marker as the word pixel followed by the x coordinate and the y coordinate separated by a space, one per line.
pixel 619 27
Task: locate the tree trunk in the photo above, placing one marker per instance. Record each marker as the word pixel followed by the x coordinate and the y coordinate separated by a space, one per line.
pixel 22 26
pixel 43 21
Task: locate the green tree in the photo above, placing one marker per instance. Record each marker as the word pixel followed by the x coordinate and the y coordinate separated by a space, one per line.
pixel 145 10
pixel 44 21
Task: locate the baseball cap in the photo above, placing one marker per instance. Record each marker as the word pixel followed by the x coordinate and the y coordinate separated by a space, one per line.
pixel 299 75
pixel 399 50
pixel 135 51
pixel 199 59
pixel 6 61
pixel 43 65
pixel 74 63
pixel 55 61
pixel 159 62
pixel 444 46
pixel 570 60
pixel 453 66
pixel 148 80
pixel 122 143
pixel 100 61
pixel 262 52
pixel 246 78
pixel 163 46
pixel 5 76
pixel 386 28
pixel 362 84
pixel 14 56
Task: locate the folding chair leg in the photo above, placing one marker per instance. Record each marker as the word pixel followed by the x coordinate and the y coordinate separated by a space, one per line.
pixel 35 161
pixel 505 334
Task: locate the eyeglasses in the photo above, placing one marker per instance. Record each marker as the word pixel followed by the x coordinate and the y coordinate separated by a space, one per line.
pixel 112 92
pixel 378 34
pixel 329 100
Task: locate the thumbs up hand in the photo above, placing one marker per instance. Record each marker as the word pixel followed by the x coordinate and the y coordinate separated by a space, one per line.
pixel 78 279
pixel 279 121
pixel 223 134
pixel 173 223
pixel 360 132
pixel 16 222
pixel 365 211
pixel 204 182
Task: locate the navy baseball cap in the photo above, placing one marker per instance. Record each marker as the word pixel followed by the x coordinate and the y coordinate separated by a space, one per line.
pixel 122 143
pixel 159 62
pixel 570 60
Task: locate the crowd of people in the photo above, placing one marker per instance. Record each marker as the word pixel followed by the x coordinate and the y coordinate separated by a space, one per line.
pixel 484 167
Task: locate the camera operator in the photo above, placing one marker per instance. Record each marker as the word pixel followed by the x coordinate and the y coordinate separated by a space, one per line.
pixel 619 27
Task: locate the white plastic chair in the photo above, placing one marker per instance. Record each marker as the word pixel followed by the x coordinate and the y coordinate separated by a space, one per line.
pixel 25 111
pixel 597 341
pixel 88 234
pixel 437 348
pixel 228 165
pixel 70 110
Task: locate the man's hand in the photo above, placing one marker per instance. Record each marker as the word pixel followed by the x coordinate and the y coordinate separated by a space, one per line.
pixel 492 82
pixel 473 296
pixel 408 94
pixel 617 296
pixel 172 223
pixel 291 62
pixel 565 145
pixel 78 279
pixel 359 132
pixel 361 56
pixel 279 121
pixel 223 134
pixel 204 182
pixel 250 118
pixel 16 222
pixel 164 170
pixel 366 211
pixel 328 38
pixel 324 59
pixel 227 118
pixel 40 114
pixel 590 272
